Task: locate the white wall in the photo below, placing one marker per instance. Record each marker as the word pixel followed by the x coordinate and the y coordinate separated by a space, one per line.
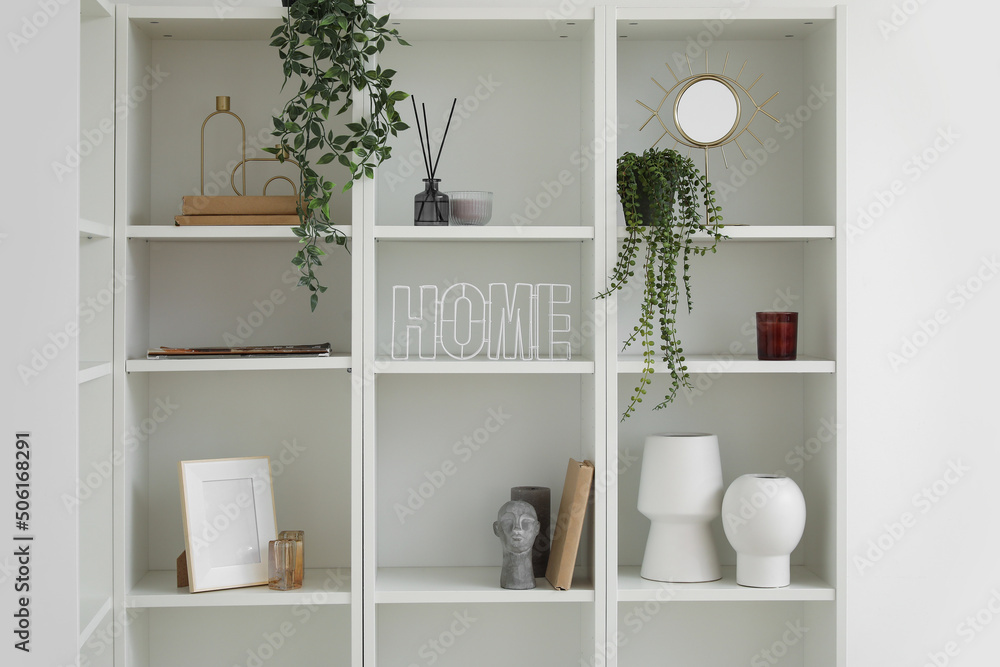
pixel 38 345
pixel 920 83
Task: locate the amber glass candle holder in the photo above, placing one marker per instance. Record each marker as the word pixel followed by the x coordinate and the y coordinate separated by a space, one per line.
pixel 297 536
pixel 777 336
pixel 281 565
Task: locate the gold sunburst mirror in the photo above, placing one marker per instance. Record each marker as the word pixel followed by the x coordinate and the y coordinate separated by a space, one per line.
pixel 705 111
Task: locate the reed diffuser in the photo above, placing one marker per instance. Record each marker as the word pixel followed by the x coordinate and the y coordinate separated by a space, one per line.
pixel 430 207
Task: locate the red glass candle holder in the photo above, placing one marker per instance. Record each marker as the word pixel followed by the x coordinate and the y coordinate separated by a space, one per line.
pixel 777 336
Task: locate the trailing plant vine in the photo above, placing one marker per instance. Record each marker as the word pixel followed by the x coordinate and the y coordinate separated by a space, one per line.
pixel 327 45
pixel 663 231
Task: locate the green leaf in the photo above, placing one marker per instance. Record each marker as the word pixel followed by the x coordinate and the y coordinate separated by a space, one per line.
pixel 398 96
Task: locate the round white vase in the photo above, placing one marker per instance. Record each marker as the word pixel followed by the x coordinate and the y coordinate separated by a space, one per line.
pixel 763 516
pixel 680 492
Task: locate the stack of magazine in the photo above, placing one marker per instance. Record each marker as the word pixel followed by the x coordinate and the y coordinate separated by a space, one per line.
pixel 321 350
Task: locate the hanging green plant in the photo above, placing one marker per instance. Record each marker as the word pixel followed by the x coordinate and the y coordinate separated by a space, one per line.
pixel 662 193
pixel 327 46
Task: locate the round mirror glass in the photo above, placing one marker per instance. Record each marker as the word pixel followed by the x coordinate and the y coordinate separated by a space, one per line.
pixel 707 111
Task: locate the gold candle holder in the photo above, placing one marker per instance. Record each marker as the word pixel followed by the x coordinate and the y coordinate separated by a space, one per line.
pixel 298 537
pixel 281 565
pixel 222 107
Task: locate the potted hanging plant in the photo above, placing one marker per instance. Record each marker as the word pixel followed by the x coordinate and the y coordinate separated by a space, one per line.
pixel 662 193
pixel 326 46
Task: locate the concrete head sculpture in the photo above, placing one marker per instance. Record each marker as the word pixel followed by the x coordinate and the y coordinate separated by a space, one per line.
pixel 516 526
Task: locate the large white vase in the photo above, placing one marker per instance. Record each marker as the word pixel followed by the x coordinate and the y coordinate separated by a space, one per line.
pixel 763 516
pixel 680 492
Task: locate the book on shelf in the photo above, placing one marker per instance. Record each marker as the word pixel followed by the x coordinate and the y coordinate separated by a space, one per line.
pixel 202 205
pixel 569 524
pixel 321 350
pixel 235 220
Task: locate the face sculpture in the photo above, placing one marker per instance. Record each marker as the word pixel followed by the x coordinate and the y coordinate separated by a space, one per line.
pixel 516 526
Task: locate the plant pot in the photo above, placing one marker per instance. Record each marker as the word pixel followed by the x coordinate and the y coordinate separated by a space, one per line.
pixel 763 516
pixel 645 204
pixel 680 491
pixel 287 3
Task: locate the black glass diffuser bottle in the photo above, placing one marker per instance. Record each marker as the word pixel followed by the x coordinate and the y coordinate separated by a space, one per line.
pixel 430 207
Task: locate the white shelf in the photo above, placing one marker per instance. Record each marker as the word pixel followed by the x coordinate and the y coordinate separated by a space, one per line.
pixel 91 370
pixel 92 612
pixel 762 233
pixel 804 586
pixel 486 233
pixel 726 364
pixel 477 365
pixel 417 585
pixel 223 22
pixel 95 230
pixel 476 24
pixel 319 587
pixel 218 233
pixel 246 364
pixel 758 23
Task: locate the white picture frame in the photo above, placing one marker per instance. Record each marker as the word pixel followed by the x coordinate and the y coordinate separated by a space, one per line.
pixel 229 518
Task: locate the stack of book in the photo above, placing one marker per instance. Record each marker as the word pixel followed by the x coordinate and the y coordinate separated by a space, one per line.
pixel 274 210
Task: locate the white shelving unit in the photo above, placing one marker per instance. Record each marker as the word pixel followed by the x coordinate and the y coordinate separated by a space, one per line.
pixel 395 465
pixel 158 589
pixel 342 362
pixel 93 501
pixel 235 233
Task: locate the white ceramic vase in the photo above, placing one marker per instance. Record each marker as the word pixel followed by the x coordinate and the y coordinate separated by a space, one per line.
pixel 680 492
pixel 763 516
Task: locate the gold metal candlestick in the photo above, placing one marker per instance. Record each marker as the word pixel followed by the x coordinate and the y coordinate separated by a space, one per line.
pixel 245 160
pixel 222 106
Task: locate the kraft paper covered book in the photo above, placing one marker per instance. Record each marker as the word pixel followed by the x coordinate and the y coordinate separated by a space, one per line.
pixel 233 205
pixel 230 220
pixel 569 524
